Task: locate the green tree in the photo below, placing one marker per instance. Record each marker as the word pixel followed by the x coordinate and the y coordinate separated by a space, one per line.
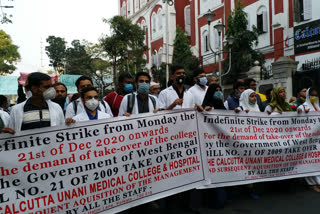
pixel 124 47
pixel 56 51
pixel 243 54
pixel 100 66
pixel 182 55
pixel 158 74
pixel 77 60
pixel 8 54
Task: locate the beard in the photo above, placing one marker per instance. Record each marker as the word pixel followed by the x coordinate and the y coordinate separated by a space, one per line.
pixel 60 101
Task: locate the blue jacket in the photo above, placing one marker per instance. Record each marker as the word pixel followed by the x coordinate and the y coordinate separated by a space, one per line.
pixel 233 102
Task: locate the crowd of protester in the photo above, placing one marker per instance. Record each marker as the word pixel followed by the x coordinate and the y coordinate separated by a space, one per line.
pixel 41 104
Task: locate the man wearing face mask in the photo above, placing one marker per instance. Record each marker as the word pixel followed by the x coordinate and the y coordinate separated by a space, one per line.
pixel 76 106
pixel 38 111
pixel 90 98
pixel 232 101
pixel 140 102
pixel 176 96
pixel 114 99
pixel 200 87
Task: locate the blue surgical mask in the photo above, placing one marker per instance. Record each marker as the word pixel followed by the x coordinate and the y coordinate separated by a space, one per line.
pixel 156 95
pixel 239 94
pixel 128 88
pixel 203 81
pixel 252 104
pixel 143 88
pixel 218 95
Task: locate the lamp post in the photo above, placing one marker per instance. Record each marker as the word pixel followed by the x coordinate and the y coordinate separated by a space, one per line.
pixel 209 16
pixel 219 27
pixel 168 3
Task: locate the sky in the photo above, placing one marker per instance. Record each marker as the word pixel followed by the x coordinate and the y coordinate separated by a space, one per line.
pixel 35 20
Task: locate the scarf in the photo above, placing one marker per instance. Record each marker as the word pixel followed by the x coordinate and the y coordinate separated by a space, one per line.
pixel 308 105
pixel 277 102
pixel 244 101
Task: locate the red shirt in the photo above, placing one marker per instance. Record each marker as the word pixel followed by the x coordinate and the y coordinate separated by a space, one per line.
pixel 114 100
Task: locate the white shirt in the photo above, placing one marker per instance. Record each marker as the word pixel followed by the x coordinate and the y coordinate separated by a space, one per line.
pixel 135 110
pixel 16 115
pixel 80 108
pixel 198 93
pixel 83 116
pixel 169 95
pixel 5 117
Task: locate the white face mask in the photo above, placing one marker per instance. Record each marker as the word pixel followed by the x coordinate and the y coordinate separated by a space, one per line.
pixel 92 104
pixel 49 94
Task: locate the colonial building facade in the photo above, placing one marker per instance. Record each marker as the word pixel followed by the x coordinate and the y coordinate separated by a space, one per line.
pixel 288 28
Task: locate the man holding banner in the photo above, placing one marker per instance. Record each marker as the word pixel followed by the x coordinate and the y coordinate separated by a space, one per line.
pixel 77 107
pixel 38 111
pixel 176 96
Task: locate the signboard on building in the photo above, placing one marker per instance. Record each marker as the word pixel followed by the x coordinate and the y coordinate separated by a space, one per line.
pixel 307 37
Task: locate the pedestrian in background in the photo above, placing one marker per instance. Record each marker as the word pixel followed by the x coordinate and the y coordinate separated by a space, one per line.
pixel 200 87
pixel 114 99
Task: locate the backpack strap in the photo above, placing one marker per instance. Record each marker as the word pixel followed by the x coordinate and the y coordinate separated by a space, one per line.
pixel 75 106
pixel 104 105
pixel 131 100
pixel 153 100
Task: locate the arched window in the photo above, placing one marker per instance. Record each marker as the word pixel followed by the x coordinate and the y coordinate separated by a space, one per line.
pixel 262 20
pixel 187 20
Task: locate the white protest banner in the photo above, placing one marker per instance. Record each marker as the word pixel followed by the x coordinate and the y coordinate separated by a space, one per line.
pixel 253 147
pixel 100 166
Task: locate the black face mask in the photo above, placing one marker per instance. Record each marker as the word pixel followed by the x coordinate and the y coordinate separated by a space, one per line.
pixel 181 79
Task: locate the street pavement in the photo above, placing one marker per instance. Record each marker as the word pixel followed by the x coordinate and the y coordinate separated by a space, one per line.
pixel 281 197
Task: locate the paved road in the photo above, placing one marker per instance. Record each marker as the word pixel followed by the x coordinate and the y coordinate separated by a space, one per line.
pixel 291 196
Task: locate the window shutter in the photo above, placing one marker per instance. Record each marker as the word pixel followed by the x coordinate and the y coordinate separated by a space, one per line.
pixel 216 39
pixel 265 21
pixel 128 7
pixel 206 42
pixel 160 20
pixel 188 21
pixel 154 23
pixel 249 24
pixel 297 11
pixel 159 57
pixel 307 9
pixel 188 17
